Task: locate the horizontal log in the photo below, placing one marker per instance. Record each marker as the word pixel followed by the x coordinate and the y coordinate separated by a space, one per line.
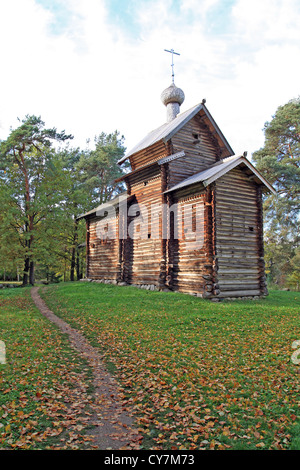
pixel 238 284
pixel 240 228
pixel 240 293
pixel 232 273
pixel 143 279
pixel 235 211
pixel 188 276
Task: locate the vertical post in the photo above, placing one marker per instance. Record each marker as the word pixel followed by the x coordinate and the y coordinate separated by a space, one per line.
pixel 163 259
pixel 122 236
pixel 210 275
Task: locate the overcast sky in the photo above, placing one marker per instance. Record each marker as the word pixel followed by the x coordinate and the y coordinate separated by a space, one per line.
pixel 88 66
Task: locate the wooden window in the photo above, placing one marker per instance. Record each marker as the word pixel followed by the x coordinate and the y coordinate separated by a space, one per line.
pixel 196 138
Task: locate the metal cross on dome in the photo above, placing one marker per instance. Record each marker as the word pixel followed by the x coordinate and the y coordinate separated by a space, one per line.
pixel 172 65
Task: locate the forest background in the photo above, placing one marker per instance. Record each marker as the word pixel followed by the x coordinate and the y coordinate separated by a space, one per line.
pixel 45 184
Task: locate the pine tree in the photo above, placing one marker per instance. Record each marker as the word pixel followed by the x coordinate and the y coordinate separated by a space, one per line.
pixel 279 162
pixel 27 184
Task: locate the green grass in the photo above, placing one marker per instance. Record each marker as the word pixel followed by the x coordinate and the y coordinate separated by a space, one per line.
pixel 41 406
pixel 198 375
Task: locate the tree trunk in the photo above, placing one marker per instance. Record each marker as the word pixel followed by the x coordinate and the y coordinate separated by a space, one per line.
pixel 74 250
pixel 72 277
pixel 79 276
pixel 26 271
pixel 31 273
pixel 29 226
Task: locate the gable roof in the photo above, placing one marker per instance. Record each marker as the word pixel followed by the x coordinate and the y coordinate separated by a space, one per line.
pixel 219 169
pixel 167 130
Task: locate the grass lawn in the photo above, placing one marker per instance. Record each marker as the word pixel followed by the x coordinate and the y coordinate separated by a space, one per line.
pixel 199 375
pixel 44 386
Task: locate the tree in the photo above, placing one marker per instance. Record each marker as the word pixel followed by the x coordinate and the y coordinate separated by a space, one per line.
pixel 92 175
pixel 77 200
pixel 294 277
pixel 99 169
pixel 43 190
pixel 10 252
pixel 279 162
pixel 27 183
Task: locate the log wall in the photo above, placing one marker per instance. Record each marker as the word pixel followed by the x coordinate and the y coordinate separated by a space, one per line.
pixel 148 155
pixel 188 251
pixel 102 255
pixel 201 151
pixel 143 250
pixel 237 236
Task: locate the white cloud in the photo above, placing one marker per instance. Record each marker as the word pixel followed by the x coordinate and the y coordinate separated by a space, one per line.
pixel 268 20
pixel 93 76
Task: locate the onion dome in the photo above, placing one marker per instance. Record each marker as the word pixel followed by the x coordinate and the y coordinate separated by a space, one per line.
pixel 172 97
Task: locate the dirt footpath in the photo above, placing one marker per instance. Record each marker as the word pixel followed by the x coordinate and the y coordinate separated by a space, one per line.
pixel 112 425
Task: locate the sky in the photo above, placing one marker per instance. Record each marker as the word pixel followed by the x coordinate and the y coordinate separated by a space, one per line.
pixel 92 66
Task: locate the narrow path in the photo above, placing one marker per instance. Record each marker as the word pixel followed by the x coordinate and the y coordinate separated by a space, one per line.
pixel 113 426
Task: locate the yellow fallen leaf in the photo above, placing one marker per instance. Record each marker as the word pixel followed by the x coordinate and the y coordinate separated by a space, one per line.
pixel 261 444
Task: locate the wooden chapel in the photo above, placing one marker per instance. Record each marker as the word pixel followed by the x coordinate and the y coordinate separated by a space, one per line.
pixel 191 219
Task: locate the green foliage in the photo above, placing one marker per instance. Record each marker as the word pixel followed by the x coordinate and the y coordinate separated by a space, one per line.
pixel 294 278
pixel 30 187
pixel 42 192
pixel 99 168
pixel 279 159
pixel 279 162
pixel 28 136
